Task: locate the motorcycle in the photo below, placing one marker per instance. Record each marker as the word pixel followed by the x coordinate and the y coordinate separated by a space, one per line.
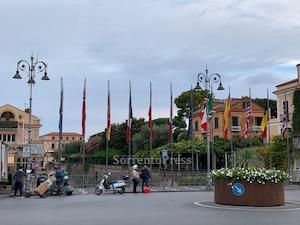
pixel 114 186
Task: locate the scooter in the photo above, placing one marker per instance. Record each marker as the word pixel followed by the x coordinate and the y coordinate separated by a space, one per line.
pixel 114 186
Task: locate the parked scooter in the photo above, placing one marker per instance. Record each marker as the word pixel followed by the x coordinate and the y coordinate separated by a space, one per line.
pixel 114 186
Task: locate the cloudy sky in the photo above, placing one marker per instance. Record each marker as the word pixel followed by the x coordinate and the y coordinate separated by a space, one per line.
pixel 251 43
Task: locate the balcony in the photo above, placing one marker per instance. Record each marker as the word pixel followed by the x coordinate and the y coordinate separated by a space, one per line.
pixel 8 124
pixel 256 128
pixel 236 129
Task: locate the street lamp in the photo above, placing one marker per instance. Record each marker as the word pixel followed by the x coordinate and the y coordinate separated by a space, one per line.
pixel 208 80
pixel 31 69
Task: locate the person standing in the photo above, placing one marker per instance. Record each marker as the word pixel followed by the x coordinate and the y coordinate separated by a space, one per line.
pixel 145 175
pixel 19 180
pixel 135 177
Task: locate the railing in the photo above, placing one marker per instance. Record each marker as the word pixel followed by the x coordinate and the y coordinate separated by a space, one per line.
pixel 236 128
pixel 158 179
pixel 8 124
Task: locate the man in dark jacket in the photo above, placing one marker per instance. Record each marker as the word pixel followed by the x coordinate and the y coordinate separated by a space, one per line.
pixel 19 180
pixel 145 175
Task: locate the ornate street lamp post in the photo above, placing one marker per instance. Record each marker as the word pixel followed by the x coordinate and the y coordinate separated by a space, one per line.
pixel 208 80
pixel 31 68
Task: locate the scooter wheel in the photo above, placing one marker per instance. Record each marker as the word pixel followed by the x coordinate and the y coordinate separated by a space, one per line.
pixel 98 191
pixel 122 190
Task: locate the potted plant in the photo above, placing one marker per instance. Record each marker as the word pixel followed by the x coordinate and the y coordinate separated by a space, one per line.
pixel 249 185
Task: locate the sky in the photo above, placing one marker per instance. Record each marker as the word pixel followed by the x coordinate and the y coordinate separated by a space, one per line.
pixel 251 44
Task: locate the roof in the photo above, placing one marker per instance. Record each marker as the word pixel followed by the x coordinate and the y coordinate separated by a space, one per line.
pixel 20 110
pixel 63 134
pixel 288 82
pixel 236 105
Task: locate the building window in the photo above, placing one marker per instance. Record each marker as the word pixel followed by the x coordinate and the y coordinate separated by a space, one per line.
pixel 13 138
pixel 52 146
pixel 196 126
pixel 235 121
pixel 286 109
pixel 4 137
pixel 62 146
pixel 8 137
pixel 216 122
pixel 80 138
pixel 67 138
pixel 258 121
pixel 246 105
pixel 53 138
pixel 216 138
pixel 20 117
pixel 73 138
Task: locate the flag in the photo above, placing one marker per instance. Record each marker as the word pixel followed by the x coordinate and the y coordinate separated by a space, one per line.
pixel 247 122
pixel 170 122
pixel 283 122
pixel 150 125
pixel 209 106
pixel 203 120
pixel 227 112
pixel 61 108
pixel 83 110
pixel 129 121
pixel 108 127
pixel 264 125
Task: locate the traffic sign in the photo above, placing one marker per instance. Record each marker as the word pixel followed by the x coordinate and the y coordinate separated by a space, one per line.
pixel 238 189
pixel 164 154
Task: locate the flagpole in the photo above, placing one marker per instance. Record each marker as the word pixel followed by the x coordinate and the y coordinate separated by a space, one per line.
pixel 151 128
pixel 269 117
pixel 60 122
pixel 230 123
pixel 191 133
pixel 129 127
pixel 107 131
pixel 83 132
pixel 251 120
pixel 287 135
pixel 171 138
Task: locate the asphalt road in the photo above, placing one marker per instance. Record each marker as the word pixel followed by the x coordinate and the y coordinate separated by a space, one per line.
pixel 135 209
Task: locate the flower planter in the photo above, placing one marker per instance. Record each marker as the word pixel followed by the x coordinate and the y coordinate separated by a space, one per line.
pixel 252 194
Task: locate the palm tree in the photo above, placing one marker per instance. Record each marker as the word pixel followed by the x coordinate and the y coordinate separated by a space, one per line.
pixel 248 158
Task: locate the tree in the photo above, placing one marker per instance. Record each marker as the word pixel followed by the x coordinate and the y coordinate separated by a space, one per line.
pixel 248 158
pixel 296 114
pixel 140 141
pixel 183 101
pixel 263 103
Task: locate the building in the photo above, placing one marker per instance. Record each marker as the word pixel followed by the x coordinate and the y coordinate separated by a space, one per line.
pixel 14 124
pixel 238 110
pixel 285 94
pixel 51 142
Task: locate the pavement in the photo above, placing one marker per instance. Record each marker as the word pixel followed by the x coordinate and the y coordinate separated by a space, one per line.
pixel 170 208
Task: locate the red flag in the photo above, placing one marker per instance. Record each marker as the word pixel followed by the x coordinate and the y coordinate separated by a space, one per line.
pixel 83 110
pixel 170 122
pixel 150 125
pixel 129 121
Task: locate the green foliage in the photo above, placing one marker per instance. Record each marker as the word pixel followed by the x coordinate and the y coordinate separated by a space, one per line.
pixel 140 141
pixel 189 180
pixel 296 114
pixel 183 100
pixel 275 154
pixel 260 176
pixel 248 158
pixel 72 148
pixel 263 103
